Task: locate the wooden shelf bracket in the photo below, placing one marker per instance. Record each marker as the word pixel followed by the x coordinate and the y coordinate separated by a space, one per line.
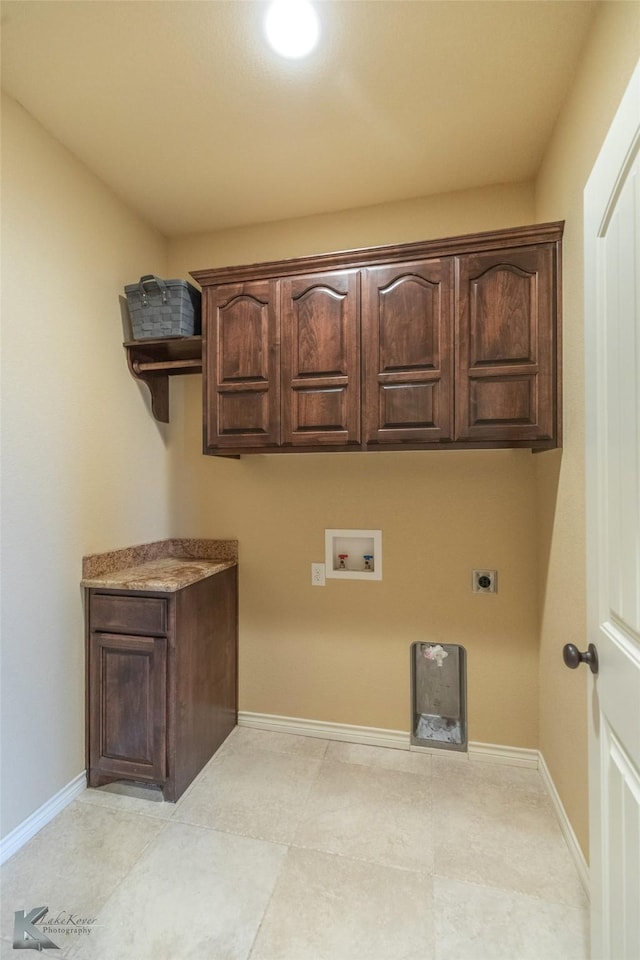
pixel 154 361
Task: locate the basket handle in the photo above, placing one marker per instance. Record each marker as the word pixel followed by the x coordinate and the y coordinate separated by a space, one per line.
pixel 149 277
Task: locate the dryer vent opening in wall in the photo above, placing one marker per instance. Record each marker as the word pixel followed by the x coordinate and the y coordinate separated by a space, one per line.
pixel 439 695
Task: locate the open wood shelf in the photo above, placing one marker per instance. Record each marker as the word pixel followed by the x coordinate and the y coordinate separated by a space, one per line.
pixel 154 361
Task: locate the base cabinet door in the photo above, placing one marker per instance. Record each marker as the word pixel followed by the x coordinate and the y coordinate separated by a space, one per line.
pixel 506 388
pixel 128 708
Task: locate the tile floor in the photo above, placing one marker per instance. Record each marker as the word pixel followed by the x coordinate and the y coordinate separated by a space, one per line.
pixel 292 848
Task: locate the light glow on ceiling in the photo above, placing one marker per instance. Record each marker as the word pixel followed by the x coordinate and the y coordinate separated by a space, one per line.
pixel 292 27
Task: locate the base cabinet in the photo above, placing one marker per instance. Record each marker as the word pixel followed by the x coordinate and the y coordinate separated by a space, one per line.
pixel 447 343
pixel 162 681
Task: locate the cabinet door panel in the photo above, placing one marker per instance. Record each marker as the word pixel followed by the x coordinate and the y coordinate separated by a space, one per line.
pixel 506 386
pixel 242 414
pixel 408 405
pixel 319 410
pixel 503 322
pixel 408 354
pixel 509 401
pixel 128 706
pixel 320 364
pixel 241 362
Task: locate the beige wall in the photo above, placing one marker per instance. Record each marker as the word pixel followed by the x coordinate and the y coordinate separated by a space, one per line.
pixel 84 467
pixel 529 510
pixel 424 218
pixel 341 653
pixel 608 61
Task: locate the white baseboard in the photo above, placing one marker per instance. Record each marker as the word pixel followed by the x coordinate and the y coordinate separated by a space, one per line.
pixel 380 737
pixel 496 753
pixel 400 740
pixel 29 827
pixel 565 825
pixel 374 736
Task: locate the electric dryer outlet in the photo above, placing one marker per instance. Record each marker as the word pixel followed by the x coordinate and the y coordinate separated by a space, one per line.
pixel 485 581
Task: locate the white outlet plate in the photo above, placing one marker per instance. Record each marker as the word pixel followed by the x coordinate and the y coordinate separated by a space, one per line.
pixel 484 581
pixel 317 575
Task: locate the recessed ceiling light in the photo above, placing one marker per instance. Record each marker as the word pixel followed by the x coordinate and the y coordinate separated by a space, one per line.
pixel 292 27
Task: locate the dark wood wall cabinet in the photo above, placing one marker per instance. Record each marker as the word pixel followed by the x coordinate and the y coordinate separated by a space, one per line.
pixel 444 344
pixel 162 681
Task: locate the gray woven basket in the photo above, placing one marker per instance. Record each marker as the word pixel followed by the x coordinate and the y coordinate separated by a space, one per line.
pixel 163 308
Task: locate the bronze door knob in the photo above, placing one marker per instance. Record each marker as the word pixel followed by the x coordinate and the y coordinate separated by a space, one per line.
pixel 573 657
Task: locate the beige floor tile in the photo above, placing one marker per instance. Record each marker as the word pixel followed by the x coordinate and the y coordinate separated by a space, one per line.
pixel 493 780
pixel 371 831
pixel 389 759
pixel 503 835
pixel 246 738
pixel 331 908
pixel 75 862
pixel 533 861
pixel 480 923
pixel 255 793
pixel 7 952
pixel 366 813
pixel 460 801
pixel 196 893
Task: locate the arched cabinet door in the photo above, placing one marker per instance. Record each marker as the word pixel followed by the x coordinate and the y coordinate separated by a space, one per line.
pixel 506 339
pixel 320 359
pixel 440 344
pixel 241 365
pixel 407 321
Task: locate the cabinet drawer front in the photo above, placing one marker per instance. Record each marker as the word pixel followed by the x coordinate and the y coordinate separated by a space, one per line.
pixel 128 614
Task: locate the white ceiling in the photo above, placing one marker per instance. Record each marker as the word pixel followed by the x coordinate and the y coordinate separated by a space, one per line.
pixel 180 106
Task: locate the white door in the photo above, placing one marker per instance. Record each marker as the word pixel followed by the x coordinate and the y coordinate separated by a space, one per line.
pixel 612 335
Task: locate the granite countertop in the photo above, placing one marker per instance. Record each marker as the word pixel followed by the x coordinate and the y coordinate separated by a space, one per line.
pixel 163 566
